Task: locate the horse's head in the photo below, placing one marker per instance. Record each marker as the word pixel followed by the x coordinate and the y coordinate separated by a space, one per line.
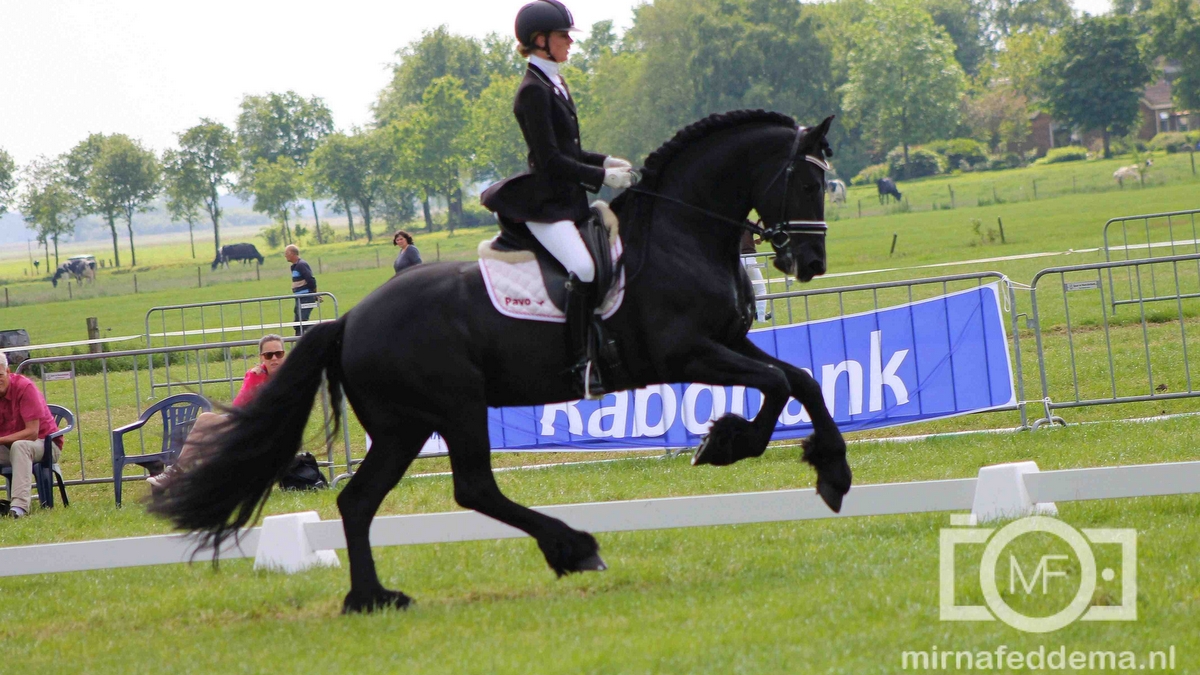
pixel 791 204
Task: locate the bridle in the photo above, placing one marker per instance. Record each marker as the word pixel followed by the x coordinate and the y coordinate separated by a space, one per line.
pixel 780 232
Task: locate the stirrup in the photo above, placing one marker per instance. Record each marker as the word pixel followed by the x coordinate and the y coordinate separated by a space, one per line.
pixel 593 389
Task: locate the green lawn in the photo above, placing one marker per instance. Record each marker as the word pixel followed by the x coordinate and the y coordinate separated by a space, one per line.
pixel 842 596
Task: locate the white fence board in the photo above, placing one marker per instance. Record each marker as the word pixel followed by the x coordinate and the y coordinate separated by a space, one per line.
pixel 1114 482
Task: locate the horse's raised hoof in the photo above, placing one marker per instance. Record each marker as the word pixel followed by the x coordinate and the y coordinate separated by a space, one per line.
pixel 831 495
pixel 729 439
pixel 833 472
pixel 575 551
pixel 364 603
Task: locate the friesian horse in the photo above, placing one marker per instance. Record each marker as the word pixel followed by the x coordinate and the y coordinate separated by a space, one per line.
pixel 426 352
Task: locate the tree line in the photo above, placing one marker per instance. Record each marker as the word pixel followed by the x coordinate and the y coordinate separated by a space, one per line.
pixel 898 73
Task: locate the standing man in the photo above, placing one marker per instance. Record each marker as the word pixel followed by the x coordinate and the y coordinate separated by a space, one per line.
pixel 409 255
pixel 303 283
pixel 25 421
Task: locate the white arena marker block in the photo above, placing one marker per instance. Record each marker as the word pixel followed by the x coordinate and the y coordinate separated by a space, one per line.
pixel 1000 492
pixel 283 545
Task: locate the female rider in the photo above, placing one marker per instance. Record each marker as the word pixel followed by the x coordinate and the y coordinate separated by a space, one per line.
pixel 552 195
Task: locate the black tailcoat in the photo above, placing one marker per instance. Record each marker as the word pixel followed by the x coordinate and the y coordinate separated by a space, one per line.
pixel 560 172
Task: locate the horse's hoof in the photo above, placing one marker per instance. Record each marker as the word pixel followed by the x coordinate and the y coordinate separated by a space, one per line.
pixel 366 603
pixel 729 439
pixel 831 495
pixel 593 563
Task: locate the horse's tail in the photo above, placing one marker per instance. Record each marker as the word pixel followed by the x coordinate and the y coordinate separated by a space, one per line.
pixel 225 483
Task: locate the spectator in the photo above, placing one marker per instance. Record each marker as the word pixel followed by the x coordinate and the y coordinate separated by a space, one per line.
pixel 25 421
pixel 303 283
pixel 409 255
pixel 754 271
pixel 271 356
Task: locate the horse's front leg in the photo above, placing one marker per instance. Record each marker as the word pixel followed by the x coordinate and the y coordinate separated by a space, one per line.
pixel 732 438
pixel 824 449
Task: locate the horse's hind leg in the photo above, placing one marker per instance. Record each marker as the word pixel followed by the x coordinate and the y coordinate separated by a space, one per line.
pixel 567 550
pixel 393 450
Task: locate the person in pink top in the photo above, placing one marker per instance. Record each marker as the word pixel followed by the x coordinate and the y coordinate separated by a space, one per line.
pixel 25 421
pixel 271 355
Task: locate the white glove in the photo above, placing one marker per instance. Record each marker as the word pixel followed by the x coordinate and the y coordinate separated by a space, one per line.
pixel 616 163
pixel 618 178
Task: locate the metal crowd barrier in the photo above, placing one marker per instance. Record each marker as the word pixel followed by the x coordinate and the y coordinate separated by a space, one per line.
pixel 1157 369
pixel 121 382
pixel 1149 232
pixel 800 306
pixel 213 325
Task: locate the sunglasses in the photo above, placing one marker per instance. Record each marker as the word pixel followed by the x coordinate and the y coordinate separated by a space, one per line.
pixel 272 355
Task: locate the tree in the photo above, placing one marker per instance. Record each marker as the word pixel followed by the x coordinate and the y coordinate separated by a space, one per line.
pixel 211 150
pixel 1025 56
pixel 601 41
pixel 276 186
pixel 436 54
pixel 493 131
pixel 278 125
pixel 8 180
pixel 338 166
pixel 904 84
pixel 998 116
pixel 80 165
pixel 1021 16
pixel 435 151
pixel 1098 98
pixel 1175 31
pixel 126 176
pixel 48 203
pixel 186 190
pixel 965 21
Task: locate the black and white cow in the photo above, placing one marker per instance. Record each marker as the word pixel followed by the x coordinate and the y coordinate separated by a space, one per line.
pixel 80 269
pixel 887 189
pixel 243 252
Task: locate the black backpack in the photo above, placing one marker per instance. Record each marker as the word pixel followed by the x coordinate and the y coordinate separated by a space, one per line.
pixel 303 474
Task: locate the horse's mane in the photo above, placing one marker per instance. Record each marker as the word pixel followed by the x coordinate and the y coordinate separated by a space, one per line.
pixel 696 131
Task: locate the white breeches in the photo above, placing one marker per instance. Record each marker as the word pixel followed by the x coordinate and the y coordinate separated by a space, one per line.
pixel 760 286
pixel 564 243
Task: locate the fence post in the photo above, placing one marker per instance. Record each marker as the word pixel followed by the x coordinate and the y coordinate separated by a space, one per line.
pixel 135 284
pixel 1035 189
pixel 320 269
pixel 1001 224
pixel 93 331
pixel 438 246
pixel 951 189
pixel 6 296
pixel 257 271
pixel 860 208
pixel 376 257
pixel 70 293
pixel 1193 154
pixel 199 283
pixel 895 236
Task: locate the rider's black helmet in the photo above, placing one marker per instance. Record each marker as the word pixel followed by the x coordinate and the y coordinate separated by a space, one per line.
pixel 542 16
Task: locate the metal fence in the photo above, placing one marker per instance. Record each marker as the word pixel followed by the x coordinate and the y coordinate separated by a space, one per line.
pixel 106 390
pixel 1100 358
pixel 223 321
pixel 1141 237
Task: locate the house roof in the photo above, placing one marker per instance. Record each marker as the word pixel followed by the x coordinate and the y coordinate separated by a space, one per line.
pixel 1158 96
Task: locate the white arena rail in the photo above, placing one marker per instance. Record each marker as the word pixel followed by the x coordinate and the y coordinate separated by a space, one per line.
pixel 294 542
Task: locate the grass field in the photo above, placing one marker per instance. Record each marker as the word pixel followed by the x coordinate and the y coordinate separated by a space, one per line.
pixel 844 596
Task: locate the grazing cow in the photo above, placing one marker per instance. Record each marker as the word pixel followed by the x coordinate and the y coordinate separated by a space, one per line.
pixel 836 190
pixel 1127 173
pixel 243 252
pixel 887 189
pixel 80 269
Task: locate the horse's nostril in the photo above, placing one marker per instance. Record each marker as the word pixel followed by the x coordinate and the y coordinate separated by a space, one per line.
pixel 817 267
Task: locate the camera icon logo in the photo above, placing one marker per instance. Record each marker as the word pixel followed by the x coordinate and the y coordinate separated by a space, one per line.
pixel 1047 570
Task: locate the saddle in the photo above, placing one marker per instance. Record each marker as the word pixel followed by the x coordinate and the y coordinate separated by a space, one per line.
pixel 525 281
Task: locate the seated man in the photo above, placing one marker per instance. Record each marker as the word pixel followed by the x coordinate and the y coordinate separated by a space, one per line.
pixel 25 421
pixel 271 355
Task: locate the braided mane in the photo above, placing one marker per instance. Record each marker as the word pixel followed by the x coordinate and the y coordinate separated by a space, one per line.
pixel 696 131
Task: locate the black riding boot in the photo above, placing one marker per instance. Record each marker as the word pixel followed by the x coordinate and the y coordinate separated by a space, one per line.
pixel 585 374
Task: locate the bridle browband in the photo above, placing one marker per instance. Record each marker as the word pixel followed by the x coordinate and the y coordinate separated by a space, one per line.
pixel 780 232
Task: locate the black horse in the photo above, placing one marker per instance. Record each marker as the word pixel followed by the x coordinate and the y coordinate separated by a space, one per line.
pixel 243 252
pixel 887 189
pixel 426 352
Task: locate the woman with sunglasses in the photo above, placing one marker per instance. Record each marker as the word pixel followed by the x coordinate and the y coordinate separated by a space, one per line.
pixel 271 356
pixel 551 196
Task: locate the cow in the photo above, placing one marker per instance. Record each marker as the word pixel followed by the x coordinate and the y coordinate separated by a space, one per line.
pixel 243 252
pixel 80 269
pixel 836 190
pixel 1124 173
pixel 887 189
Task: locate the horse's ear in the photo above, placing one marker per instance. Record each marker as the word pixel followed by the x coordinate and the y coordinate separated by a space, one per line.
pixel 815 138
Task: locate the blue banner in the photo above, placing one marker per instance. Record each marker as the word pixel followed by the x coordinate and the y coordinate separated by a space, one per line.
pixel 926 360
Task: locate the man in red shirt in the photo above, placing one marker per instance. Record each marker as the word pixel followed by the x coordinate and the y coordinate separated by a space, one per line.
pixel 271 355
pixel 24 422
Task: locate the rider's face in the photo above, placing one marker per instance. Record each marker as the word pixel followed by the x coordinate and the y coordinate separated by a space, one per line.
pixel 560 45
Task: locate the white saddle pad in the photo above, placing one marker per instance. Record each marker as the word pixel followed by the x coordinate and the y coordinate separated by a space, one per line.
pixel 514 281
